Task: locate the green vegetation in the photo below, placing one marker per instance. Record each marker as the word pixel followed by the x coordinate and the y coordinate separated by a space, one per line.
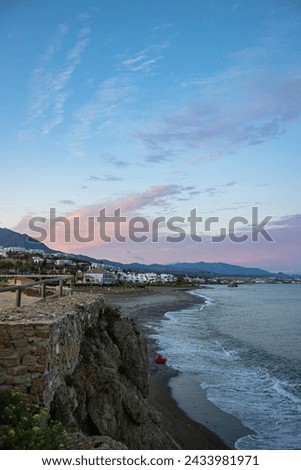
pixel 24 426
pixel 6 265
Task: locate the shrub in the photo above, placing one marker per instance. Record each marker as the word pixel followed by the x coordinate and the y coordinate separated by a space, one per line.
pixel 25 426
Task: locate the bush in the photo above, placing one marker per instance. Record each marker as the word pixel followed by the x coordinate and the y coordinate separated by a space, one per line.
pixel 24 426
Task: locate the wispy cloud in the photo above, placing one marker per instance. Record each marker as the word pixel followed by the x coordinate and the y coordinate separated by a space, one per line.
pixel 266 108
pixel 115 96
pixel 68 202
pixel 219 189
pixel 287 221
pixel 244 104
pixel 100 112
pixel 56 43
pixel 108 158
pixel 91 11
pixel 144 60
pixel 104 178
pixel 158 157
pixel 215 82
pixel 211 191
pixel 50 82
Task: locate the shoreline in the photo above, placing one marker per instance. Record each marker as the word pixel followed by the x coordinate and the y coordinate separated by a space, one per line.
pixel 192 420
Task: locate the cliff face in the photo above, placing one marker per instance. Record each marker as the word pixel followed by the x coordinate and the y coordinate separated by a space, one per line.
pixel 89 365
pixel 107 392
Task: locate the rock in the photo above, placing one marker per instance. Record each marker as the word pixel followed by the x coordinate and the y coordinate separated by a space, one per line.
pixel 107 393
pixel 80 441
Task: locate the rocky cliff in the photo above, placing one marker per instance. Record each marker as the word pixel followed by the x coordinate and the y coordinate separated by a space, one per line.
pixel 107 393
pixel 95 373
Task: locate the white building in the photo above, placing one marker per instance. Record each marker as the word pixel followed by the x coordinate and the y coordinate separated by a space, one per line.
pixel 15 249
pixel 168 278
pixel 93 278
pixel 37 252
pixel 106 279
pixel 152 277
pixel 3 253
pixel 64 262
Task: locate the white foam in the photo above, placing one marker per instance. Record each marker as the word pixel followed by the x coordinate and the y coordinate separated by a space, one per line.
pixel 282 389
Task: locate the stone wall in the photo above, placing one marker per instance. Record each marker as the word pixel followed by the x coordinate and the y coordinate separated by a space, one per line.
pixel 40 343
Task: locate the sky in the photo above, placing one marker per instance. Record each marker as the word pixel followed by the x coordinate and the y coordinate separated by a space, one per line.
pixel 154 131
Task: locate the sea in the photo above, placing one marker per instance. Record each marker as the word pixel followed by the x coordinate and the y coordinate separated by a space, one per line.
pixel 243 347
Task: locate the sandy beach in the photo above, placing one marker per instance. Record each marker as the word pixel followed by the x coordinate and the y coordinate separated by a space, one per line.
pixel 202 425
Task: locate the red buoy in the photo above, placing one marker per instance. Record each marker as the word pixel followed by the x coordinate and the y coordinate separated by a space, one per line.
pixel 160 359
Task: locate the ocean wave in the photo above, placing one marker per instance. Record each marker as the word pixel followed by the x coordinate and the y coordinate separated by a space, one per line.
pixel 243 374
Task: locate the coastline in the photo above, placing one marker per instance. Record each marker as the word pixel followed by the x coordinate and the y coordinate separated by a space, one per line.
pixel 202 425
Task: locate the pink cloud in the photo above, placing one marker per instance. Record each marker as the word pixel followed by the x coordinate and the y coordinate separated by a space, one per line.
pixel 80 228
pixel 283 253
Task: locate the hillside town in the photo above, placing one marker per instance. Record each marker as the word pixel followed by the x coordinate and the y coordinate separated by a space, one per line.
pixel 20 261
pixel 16 260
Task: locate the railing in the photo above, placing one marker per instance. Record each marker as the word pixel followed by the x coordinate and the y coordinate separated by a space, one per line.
pixel 60 279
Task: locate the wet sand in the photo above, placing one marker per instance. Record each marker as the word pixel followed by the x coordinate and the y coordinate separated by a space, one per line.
pixel 202 425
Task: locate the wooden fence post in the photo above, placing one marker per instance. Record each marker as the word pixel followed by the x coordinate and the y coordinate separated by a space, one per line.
pixel 61 283
pixel 44 291
pixel 18 297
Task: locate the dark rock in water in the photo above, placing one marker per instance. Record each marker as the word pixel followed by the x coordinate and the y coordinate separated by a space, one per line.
pixel 107 394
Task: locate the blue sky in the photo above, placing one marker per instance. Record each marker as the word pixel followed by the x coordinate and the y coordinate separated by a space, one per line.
pixel 156 108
